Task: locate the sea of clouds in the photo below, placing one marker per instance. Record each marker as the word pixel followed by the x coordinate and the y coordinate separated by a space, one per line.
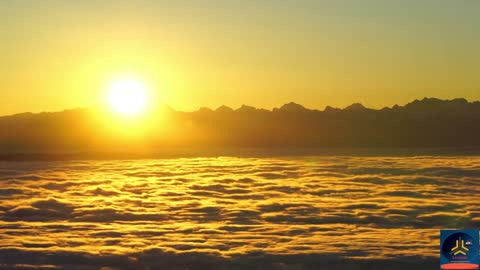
pixel 336 212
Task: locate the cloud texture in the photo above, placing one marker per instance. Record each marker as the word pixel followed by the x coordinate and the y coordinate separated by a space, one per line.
pixel 234 213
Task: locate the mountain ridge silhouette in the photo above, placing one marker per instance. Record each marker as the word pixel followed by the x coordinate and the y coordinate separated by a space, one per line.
pixel 429 122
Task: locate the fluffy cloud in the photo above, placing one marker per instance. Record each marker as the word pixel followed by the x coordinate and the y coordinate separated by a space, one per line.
pixel 234 213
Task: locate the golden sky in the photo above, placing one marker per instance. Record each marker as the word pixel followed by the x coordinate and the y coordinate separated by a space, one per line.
pixel 57 55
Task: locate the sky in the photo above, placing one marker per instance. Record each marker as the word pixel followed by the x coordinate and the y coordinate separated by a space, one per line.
pixel 58 55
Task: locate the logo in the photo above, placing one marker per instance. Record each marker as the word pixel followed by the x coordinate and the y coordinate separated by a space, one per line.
pixel 459 249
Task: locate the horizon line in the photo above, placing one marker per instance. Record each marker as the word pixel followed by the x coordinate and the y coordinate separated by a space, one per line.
pixel 327 107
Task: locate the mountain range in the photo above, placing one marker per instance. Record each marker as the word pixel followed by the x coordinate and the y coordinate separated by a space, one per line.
pixel 425 123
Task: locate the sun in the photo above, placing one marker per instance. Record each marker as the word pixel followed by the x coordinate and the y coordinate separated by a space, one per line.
pixel 127 96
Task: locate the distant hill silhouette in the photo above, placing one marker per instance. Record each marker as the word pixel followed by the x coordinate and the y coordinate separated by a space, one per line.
pixel 429 122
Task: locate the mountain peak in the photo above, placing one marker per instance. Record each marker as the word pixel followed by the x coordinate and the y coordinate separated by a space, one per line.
pixel 246 108
pixel 224 109
pixel 292 107
pixel 355 107
pixel 204 110
pixel 435 102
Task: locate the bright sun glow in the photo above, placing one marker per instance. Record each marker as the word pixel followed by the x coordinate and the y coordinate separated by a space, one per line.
pixel 127 96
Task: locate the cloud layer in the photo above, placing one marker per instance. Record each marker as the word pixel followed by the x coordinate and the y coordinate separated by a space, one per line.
pixel 234 213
